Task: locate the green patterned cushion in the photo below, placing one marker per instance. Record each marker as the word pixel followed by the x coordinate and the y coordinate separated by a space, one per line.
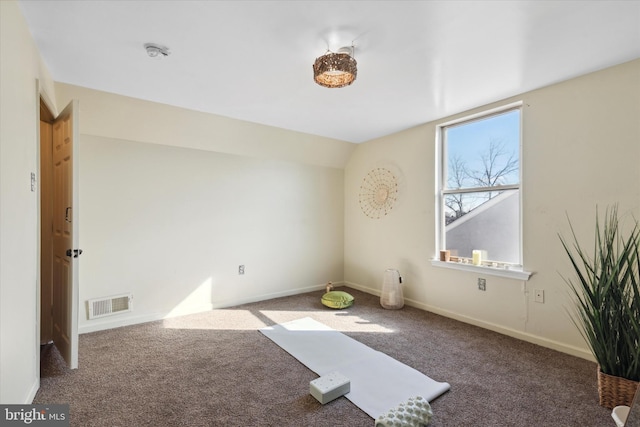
pixel 337 299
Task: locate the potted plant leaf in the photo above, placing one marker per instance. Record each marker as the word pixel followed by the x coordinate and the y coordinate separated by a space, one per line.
pixel 606 286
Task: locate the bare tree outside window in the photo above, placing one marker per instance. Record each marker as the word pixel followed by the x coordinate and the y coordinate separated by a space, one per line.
pixel 498 166
pixel 458 174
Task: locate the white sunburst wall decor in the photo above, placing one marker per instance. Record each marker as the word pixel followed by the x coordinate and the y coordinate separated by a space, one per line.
pixel 378 193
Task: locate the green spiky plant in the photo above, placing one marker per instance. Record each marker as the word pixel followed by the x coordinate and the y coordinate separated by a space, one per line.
pixel 607 290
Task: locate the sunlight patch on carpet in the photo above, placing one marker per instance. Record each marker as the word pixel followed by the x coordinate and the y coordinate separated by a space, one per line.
pixel 354 323
pixel 225 319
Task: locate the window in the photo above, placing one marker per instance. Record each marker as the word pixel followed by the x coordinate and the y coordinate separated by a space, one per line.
pixel 479 188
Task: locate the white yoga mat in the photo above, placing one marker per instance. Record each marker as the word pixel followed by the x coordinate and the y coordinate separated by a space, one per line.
pixel 378 382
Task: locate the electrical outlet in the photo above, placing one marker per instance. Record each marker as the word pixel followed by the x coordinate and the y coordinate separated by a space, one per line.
pixel 539 293
pixel 241 269
pixel 482 284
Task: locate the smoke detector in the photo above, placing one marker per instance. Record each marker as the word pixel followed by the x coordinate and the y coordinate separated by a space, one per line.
pixel 156 50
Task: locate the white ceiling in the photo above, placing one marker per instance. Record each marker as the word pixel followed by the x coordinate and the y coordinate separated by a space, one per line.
pixel 418 61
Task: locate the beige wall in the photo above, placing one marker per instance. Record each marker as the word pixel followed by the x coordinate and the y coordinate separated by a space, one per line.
pixel 19 223
pixel 121 117
pixel 581 148
pixel 171 224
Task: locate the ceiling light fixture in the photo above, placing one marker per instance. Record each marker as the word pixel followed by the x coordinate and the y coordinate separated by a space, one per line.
pixel 336 69
pixel 156 50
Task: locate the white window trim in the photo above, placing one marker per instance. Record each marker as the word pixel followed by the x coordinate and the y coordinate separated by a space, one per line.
pixel 514 272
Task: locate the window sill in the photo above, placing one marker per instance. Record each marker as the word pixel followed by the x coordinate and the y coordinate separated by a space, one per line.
pixel 502 272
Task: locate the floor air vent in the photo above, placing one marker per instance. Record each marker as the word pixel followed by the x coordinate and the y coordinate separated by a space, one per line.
pixel 100 307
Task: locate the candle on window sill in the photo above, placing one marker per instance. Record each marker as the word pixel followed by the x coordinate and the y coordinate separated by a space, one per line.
pixel 477 257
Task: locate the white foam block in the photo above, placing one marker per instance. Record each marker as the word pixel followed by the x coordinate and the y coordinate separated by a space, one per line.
pixel 329 387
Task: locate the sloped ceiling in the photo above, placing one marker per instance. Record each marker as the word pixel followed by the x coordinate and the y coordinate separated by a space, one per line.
pixel 252 60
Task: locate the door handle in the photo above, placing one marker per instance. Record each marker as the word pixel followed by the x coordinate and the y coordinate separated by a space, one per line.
pixel 74 252
pixel 67 218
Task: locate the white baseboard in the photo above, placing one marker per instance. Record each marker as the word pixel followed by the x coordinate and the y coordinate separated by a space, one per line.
pixel 33 390
pixel 521 335
pixel 263 297
pixel 134 319
pixel 365 289
pixel 106 323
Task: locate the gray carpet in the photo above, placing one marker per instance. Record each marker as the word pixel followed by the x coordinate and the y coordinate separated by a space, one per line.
pixel 216 369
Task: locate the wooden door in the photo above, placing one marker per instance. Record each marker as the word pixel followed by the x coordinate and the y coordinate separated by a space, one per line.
pixel 46 229
pixel 65 235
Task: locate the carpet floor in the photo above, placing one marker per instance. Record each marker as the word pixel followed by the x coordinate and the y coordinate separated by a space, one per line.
pixel 217 369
